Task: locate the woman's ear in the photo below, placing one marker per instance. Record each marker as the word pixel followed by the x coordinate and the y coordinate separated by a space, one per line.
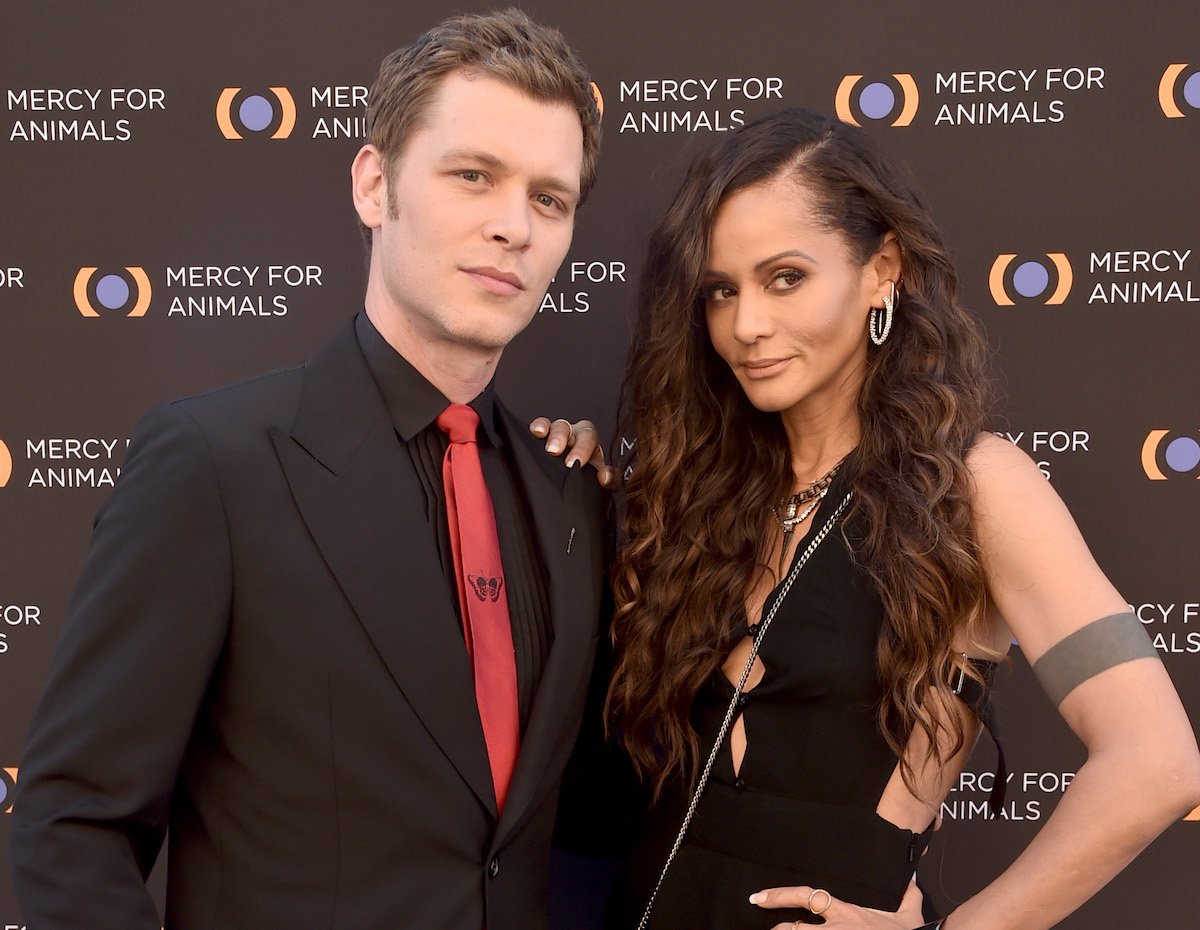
pixel 888 265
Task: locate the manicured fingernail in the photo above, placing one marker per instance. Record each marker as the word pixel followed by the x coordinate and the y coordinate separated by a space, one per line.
pixel 554 446
pixel 758 897
pixel 572 460
pixel 539 429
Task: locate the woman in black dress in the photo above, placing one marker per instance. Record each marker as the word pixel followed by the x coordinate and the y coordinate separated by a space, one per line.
pixel 806 391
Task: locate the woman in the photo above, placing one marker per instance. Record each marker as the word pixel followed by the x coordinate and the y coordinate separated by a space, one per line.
pixel 805 387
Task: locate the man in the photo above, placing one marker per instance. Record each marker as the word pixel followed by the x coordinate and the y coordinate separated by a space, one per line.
pixel 288 644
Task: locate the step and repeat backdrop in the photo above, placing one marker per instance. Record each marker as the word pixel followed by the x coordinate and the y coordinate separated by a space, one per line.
pixel 177 214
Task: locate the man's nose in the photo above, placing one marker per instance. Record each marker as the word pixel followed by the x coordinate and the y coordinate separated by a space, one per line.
pixel 511 222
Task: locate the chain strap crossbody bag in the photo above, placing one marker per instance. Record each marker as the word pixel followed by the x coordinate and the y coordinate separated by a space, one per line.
pixel 733 704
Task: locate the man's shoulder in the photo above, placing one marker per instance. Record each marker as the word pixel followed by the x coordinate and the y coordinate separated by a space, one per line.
pixel 247 399
pixel 271 399
pixel 233 412
pixel 227 425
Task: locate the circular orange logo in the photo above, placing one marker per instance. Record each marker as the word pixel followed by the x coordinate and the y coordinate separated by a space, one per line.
pixel 5 464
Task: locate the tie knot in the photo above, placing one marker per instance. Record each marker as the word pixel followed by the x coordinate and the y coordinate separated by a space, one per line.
pixel 460 422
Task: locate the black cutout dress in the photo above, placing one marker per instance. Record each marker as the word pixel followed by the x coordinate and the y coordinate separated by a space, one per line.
pixel 801 809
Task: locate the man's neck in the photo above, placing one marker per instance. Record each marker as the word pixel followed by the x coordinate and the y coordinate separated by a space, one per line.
pixel 459 372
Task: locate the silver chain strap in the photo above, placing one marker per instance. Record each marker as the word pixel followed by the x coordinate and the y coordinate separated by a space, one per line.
pixel 733 705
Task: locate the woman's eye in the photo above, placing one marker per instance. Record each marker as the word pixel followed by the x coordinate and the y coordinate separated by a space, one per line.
pixel 790 278
pixel 719 292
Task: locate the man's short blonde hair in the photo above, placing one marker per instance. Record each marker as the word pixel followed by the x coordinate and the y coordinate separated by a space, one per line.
pixel 505 45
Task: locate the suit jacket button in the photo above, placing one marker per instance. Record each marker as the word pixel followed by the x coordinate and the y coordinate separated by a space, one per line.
pixel 494 867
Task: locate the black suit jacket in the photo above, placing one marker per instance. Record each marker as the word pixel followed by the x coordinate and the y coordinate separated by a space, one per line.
pixel 262 655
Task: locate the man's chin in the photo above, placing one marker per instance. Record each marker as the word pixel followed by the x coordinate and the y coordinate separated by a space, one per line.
pixel 493 335
pixel 487 340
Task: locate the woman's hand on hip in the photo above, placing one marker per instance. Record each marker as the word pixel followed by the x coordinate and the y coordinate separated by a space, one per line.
pixel 842 915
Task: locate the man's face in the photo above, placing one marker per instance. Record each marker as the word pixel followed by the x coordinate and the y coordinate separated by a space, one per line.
pixel 479 212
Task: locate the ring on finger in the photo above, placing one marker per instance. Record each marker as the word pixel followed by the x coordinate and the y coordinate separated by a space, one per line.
pixel 824 907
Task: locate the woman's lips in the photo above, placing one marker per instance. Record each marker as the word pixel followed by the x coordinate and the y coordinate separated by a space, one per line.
pixel 764 367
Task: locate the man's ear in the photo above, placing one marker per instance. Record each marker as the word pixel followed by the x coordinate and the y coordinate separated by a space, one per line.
pixel 369 186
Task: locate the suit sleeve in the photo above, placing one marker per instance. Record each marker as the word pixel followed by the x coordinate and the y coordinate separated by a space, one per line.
pixel 141 638
pixel 602 802
pixel 602 799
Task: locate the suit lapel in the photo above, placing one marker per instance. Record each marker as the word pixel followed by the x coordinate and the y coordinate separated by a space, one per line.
pixel 360 499
pixel 563 530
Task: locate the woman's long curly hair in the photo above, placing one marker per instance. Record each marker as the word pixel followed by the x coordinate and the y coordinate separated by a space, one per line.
pixel 708 466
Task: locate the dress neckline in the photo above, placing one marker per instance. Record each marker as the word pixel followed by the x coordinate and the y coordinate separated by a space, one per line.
pixel 832 497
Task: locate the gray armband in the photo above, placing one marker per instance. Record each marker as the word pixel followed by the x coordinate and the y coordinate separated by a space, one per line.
pixel 1089 651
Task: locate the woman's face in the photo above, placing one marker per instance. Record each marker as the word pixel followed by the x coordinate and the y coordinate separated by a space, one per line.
pixel 787 303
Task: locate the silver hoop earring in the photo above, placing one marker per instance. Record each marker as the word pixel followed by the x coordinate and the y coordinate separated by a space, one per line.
pixel 880 324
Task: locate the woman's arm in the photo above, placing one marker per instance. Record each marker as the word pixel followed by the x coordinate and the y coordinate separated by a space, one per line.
pixel 1143 769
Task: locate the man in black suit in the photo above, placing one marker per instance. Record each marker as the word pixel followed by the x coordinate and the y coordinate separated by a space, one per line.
pixel 266 650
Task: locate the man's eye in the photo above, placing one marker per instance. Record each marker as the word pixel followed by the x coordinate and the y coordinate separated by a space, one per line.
pixel 471 176
pixel 547 201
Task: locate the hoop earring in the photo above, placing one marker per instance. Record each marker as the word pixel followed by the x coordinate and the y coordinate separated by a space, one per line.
pixel 880 324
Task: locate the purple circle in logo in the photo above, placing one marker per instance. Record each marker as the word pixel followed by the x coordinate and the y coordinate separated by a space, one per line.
pixel 1183 454
pixel 1030 279
pixel 877 100
pixel 256 113
pixel 1191 90
pixel 112 291
pixel 3 793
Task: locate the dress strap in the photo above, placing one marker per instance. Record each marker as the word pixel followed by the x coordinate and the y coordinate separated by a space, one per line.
pixel 978 697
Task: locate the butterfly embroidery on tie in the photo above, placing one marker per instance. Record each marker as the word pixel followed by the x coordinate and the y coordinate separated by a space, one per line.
pixel 486 587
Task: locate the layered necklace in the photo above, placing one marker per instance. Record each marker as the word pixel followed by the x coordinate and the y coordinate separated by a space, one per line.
pixel 796 508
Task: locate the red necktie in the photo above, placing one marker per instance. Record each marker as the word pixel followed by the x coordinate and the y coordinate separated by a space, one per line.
pixel 481 594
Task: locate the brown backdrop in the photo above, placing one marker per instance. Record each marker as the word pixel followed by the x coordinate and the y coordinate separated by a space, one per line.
pixel 177 215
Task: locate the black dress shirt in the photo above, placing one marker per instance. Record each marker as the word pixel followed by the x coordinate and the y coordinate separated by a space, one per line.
pixel 414 405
